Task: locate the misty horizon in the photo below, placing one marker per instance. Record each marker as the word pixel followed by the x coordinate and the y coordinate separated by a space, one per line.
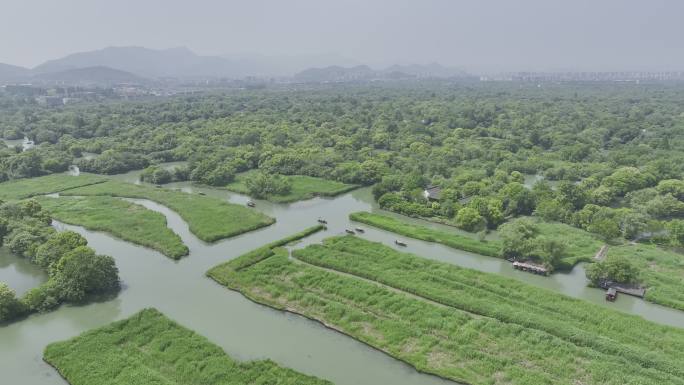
pixel 483 37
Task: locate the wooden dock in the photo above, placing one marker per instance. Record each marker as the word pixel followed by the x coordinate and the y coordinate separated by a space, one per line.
pixel 530 267
pixel 624 288
pixel 601 253
pixel 630 290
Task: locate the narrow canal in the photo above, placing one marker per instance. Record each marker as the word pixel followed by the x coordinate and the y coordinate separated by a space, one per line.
pixel 244 329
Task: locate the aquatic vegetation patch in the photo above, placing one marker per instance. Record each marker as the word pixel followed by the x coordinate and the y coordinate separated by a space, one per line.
pixel 505 299
pixel 257 255
pixel 126 220
pixel 453 240
pixel 54 183
pixel 660 271
pixel 210 219
pixel 149 348
pixel 76 273
pixel 581 245
pixel 301 187
pixel 457 323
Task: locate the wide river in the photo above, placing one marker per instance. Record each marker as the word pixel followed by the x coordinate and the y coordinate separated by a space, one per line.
pixel 242 328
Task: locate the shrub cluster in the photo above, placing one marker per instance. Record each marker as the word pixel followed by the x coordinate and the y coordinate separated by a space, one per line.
pixel 75 271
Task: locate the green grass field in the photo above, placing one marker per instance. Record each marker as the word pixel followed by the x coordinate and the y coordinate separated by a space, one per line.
pixel 150 349
pixel 661 271
pixel 26 188
pixel 257 255
pixel 303 187
pixel 125 220
pixel 582 245
pixel 210 219
pixel 453 240
pixel 461 324
pixel 490 295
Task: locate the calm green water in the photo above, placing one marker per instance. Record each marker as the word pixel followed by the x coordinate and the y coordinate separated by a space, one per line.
pixel 134 176
pixel 244 329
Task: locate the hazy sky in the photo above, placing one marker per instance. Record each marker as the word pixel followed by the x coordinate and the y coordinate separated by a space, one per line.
pixel 488 35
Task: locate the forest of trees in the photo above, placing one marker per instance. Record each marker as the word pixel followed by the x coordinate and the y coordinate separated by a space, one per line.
pixel 75 272
pixel 609 157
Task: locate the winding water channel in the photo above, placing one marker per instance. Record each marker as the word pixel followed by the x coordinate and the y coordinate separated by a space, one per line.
pixel 25 143
pixel 244 329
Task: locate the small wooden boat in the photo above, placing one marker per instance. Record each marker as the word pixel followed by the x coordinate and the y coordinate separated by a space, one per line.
pixel 201 193
pixel 251 204
pixel 350 231
pixel 360 230
pixel 323 221
pixel 400 243
pixel 611 294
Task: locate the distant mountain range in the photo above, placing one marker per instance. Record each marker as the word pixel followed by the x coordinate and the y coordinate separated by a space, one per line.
pixel 95 75
pixel 144 62
pixel 286 65
pixel 90 75
pixel 433 70
pixel 335 73
pixel 365 73
pixel 8 71
pixel 142 65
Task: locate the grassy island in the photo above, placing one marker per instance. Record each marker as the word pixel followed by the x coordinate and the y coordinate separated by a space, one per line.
pixel 257 255
pixel 126 220
pixel 210 219
pixel 54 183
pixel 148 348
pixel 301 187
pixel 458 323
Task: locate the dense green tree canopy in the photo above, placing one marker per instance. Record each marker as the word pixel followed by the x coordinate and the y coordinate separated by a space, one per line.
pixel 614 268
pixel 261 185
pixel 75 271
pixel 10 305
pixel 606 145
